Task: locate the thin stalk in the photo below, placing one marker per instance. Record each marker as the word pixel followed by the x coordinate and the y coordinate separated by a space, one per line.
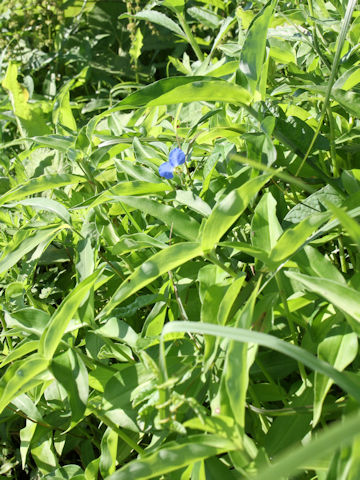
pixel 263 420
pixel 117 430
pixel 213 259
pixel 343 263
pixel 131 218
pixel 344 29
pixel 113 267
pixel 284 412
pixel 314 34
pixel 289 319
pixel 4 327
pixel 163 391
pixel 176 119
pixel 336 172
pixel 269 378
pixel 190 37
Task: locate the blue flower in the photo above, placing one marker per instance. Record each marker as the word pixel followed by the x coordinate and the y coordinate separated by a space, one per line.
pixel 166 170
pixel 176 158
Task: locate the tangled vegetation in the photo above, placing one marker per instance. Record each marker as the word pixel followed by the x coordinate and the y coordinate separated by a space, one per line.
pixel 179 195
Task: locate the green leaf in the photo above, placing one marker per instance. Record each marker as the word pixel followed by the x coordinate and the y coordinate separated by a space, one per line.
pixel 47 204
pixel 119 330
pixel 158 18
pixel 238 360
pixel 265 226
pixel 204 89
pixel 176 5
pixel 192 201
pixel 228 210
pixel 62 143
pixel 67 472
pixel 158 264
pixel 69 370
pixel 338 434
pixel 20 351
pixel 62 114
pixel 350 225
pixel 253 51
pixel 109 444
pixel 348 99
pixel 26 435
pixel 40 184
pixel 136 241
pixel 25 241
pixel 315 203
pixel 287 430
pixel 60 319
pixel 211 291
pixel 313 263
pixel 169 91
pixel 183 224
pixel 24 403
pixel 31 118
pixel 172 456
pixel 293 238
pixel 204 17
pixel 337 293
pixel 20 377
pixel 248 249
pixel 229 299
pixel 339 349
pixel 248 336
pixel 31 320
pixel 125 189
pixel 42 450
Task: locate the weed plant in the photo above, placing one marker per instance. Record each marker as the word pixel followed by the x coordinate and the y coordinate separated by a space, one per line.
pixel 179 267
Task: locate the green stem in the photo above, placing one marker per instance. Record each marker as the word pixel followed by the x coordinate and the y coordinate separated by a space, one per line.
pixel 4 327
pixel 213 259
pixel 289 319
pixel 163 391
pixel 342 255
pixel 117 430
pixel 190 37
pixel 257 406
pixel 336 172
pixel 344 29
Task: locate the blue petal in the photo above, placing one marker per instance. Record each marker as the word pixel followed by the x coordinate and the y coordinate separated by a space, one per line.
pixel 166 170
pixel 176 157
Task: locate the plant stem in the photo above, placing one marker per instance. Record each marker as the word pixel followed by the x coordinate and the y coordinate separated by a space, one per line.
pixel 117 430
pixel 344 29
pixel 289 319
pixel 190 37
pixel 212 258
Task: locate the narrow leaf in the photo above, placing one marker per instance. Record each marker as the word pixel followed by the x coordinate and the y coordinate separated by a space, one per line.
pixel 23 242
pixel 228 210
pixel 183 224
pixel 47 204
pixel 157 265
pixel 340 295
pixel 52 335
pixel 69 369
pixel 265 340
pixel 19 378
pixel 40 184
pixel 173 456
pixel 253 51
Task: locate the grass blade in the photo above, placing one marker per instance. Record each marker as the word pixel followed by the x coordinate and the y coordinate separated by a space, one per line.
pixel 160 263
pixel 265 340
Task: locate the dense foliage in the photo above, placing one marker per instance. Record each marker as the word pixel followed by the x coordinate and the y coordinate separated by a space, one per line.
pixel 198 320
